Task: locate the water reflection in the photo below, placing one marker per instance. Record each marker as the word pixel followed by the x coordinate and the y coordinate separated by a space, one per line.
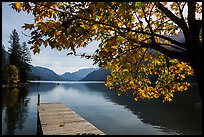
pixel 15 105
pixel 41 87
pixel 180 116
pixel 177 117
pixel 104 109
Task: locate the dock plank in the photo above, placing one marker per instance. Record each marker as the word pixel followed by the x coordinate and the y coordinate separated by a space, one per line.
pixel 57 119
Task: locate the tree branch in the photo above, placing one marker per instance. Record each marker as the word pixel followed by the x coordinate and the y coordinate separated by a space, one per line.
pixel 173 46
pixel 181 23
pixel 191 14
pixel 127 29
pixel 136 31
pixel 138 64
pixel 140 22
pixel 180 10
pixel 170 53
pixel 148 24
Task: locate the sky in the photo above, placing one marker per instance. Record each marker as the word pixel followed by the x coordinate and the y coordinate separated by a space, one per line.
pixel 53 59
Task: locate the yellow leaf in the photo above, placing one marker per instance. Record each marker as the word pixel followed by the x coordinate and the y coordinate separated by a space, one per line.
pixel 18 6
pixel 57 33
pixel 131 82
pixel 114 47
pixel 86 40
pixel 83 26
pixel 125 70
pixel 38 19
pixel 136 99
pixel 120 24
pixel 166 71
pixel 94 26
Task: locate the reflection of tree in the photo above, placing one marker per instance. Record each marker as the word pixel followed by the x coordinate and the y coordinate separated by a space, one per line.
pixel 16 104
pixel 180 114
pixel 23 107
pixel 44 87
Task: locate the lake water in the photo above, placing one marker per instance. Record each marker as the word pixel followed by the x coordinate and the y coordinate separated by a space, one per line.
pixel 103 108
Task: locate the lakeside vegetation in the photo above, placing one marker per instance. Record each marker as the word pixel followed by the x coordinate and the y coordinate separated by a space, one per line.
pixel 15 65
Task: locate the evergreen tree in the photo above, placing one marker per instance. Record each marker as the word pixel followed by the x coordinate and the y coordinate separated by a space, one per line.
pixel 4 78
pixel 24 62
pixel 3 58
pixel 19 56
pixel 14 50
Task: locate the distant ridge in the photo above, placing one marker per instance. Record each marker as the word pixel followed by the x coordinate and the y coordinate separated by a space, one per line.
pixel 70 76
pixel 42 73
pixel 97 75
pixel 84 72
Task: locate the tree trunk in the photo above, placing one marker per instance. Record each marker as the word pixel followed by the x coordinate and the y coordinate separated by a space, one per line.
pixel 195 46
pixel 197 65
pixel 198 74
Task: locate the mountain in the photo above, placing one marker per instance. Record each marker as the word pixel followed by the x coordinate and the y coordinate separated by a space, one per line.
pixel 97 75
pixel 84 72
pixel 70 76
pixel 42 73
pixel 179 38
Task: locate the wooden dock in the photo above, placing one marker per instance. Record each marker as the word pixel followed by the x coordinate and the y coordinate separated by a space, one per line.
pixel 58 119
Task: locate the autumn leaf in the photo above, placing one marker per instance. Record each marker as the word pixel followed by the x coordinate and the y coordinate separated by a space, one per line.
pixel 28 26
pixel 17 6
pixel 136 41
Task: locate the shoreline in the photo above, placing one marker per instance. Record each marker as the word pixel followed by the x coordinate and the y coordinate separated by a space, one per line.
pixel 13 85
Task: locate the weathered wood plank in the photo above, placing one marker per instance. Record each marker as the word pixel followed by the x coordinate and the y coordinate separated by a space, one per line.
pixel 58 119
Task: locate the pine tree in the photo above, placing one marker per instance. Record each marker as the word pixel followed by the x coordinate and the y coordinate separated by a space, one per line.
pixel 24 62
pixel 4 78
pixel 19 56
pixel 14 50
pixel 3 58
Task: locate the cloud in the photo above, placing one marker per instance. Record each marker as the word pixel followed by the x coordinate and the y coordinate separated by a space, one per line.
pixel 58 61
pixel 13 20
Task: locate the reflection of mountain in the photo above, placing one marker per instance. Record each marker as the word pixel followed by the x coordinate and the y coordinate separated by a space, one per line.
pixel 15 103
pixel 44 87
pixel 177 115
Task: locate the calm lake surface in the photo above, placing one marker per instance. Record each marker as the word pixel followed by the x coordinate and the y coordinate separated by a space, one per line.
pixel 103 108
